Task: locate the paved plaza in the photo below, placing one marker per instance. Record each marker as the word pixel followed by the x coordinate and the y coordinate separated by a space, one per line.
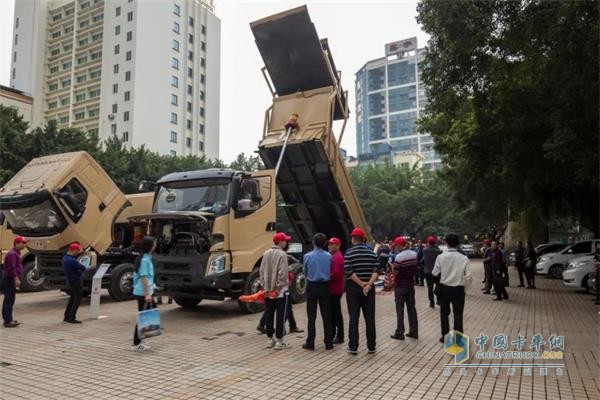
pixel 214 352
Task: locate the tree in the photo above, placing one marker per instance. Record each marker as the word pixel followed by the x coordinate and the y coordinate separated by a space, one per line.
pixel 243 163
pixel 513 104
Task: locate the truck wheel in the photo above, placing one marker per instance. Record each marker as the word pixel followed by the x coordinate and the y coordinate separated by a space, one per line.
pixel 298 288
pixel 187 302
pixel 31 282
pixel 555 271
pixel 121 282
pixel 251 286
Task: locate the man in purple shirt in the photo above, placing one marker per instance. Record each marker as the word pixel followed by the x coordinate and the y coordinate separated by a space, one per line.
pixel 11 281
pixel 405 267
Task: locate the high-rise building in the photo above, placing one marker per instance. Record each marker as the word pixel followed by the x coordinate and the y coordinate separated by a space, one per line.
pixel 145 71
pixel 389 100
pixel 18 100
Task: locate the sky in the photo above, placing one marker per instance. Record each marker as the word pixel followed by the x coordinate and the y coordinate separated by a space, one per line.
pixel 357 32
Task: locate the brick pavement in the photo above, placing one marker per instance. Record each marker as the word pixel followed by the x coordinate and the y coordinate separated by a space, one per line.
pixel 213 352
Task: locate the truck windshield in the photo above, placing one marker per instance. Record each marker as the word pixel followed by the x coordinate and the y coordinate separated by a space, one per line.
pixel 208 195
pixel 41 219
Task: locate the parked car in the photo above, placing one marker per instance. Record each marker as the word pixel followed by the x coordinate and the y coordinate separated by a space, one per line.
pixel 553 264
pixel 546 248
pixel 467 249
pixel 577 274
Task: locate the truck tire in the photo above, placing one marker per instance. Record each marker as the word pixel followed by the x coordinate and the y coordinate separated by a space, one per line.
pixel 298 287
pixel 251 286
pixel 121 282
pixel 187 302
pixel 31 281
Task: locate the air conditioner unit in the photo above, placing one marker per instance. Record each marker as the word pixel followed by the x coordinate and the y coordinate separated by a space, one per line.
pixel 111 116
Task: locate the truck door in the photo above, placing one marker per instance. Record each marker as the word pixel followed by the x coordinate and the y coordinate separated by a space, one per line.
pixel 252 221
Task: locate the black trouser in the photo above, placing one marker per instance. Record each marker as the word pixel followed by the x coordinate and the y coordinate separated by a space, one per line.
pixel 406 296
pixel 337 320
pixel 318 293
pixel 289 316
pixel 500 285
pixel 420 275
pixel 489 276
pixel 275 312
pixel 141 302
pixel 522 273
pixel 431 281
pixel 530 275
pixel 357 301
pixel 9 289
pixel 454 295
pixel 75 295
pixel 506 277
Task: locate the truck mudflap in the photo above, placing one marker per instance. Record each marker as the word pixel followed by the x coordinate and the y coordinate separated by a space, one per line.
pixel 312 177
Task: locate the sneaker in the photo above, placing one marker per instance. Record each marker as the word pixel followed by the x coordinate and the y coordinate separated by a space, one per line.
pixel 431 305
pixel 338 341
pixel 140 347
pixel 280 345
pixel 11 324
pixel 329 347
pixel 261 329
pixel 397 336
pixel 372 351
pixel 349 350
pixel 442 339
pixel 72 321
pixel 270 343
pixel 412 335
pixel 308 347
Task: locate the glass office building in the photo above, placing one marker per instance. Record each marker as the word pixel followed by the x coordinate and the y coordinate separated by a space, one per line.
pixel 389 100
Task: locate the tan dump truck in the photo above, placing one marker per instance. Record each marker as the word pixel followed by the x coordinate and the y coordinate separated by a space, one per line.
pixel 213 226
pixel 31 280
pixel 58 199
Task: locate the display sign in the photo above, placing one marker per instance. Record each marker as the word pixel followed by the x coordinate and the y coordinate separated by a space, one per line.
pixel 96 288
pixel 401 46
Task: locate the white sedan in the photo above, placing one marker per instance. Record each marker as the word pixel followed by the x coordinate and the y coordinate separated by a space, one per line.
pixel 578 272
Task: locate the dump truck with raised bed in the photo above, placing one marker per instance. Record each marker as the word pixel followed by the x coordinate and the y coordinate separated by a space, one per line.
pixel 213 226
pixel 62 198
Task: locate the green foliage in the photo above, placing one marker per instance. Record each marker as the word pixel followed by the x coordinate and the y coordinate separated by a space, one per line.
pixel 243 163
pixel 513 104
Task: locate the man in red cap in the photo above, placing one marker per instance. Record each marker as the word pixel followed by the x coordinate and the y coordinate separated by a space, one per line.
pixel 274 270
pixel 361 270
pixel 11 281
pixel 405 267
pixel 73 270
pixel 487 266
pixel 336 289
pixel 430 254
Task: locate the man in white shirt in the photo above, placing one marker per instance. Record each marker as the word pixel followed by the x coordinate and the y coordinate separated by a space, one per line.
pixel 454 272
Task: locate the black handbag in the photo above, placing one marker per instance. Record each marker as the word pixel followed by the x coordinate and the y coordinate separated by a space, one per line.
pixel 500 280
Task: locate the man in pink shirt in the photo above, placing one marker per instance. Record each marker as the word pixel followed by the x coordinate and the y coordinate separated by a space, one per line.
pixel 336 289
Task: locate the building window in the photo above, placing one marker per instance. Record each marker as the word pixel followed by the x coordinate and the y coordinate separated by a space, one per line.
pixel 176 10
pixel 202 111
pixel 54 69
pixel 80 97
pixel 128 56
pixel 173 153
pixel 189 89
pixel 97 18
pixel 188 123
pixel 189 106
pixel 173 137
pixel 174 81
pixel 190 38
pixel 202 95
pixel 96 36
pixel 190 55
pixel 55 52
pixel 82 60
pixel 52 106
pixel 202 78
pixel 174 63
pixel 190 73
pixel 175 45
pixel 126 116
pixel 14 56
pixel 118 11
pixel 175 27
pixel 94 93
pixel 66 83
pixel 114 108
pixel 201 146
pixel 96 55
pixel 81 78
pixel 117 30
pixel 17 23
pixel 127 96
pixel 67 65
pixel 127 76
pixel 130 16
pixel 113 129
pixel 174 99
pixel 83 42
pixel 69 29
pixel 203 29
pixel 93 113
pixel 201 130
pixel 188 142
pixel 116 68
pixel 203 45
pixel 52 87
pixel 56 34
pixel 203 62
pixel 125 137
pixel 64 102
pixel 174 118
pixel 115 88
pixel 191 21
pixel 16 40
pixel 68 47
pixel 84 23
pixel 129 36
pixel 95 74
pixel 64 119
pixel 14 73
pixel 117 49
pixel 79 116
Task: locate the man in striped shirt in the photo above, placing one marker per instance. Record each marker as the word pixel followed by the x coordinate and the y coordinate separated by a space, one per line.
pixel 405 268
pixel 360 264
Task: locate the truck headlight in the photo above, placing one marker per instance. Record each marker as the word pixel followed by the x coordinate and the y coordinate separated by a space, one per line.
pixel 216 265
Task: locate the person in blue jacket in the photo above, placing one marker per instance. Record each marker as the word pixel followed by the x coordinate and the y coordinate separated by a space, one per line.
pixel 73 270
pixel 143 286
